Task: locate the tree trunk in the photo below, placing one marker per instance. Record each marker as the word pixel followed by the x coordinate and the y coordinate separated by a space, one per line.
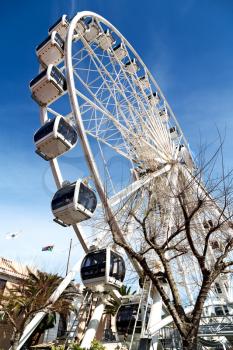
pixel 34 339
pixel 15 340
pixel 189 343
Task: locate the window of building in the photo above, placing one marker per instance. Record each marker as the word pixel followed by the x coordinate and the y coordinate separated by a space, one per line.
pixel 2 286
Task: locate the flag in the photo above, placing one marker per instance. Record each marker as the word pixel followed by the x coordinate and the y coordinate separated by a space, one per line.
pixel 48 248
pixel 12 235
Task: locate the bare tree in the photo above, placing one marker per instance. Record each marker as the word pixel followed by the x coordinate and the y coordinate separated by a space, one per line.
pixel 183 220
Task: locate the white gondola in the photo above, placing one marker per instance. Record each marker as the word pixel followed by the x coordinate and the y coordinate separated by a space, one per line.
pixel 218 289
pixel 185 157
pixel 154 99
pixel 102 270
pixel 81 27
pixel 143 82
pixel 105 40
pixel 164 115
pixel 60 26
pixel 131 66
pixel 126 317
pixel 49 85
pixel 92 32
pixel 222 310
pixel 54 138
pixel 174 133
pixel 51 50
pixel 217 308
pixel 120 51
pixel 73 203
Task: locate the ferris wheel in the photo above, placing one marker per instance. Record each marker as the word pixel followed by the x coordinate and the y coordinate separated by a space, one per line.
pixel 96 93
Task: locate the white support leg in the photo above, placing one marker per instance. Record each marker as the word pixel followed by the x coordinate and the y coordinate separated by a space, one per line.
pixel 155 317
pixel 29 329
pixel 185 283
pixel 156 326
pixel 93 326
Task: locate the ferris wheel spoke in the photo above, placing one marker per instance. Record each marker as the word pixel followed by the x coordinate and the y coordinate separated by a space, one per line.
pixel 138 103
pixel 83 53
pixel 136 185
pixel 103 71
pixel 102 119
pixel 107 87
pixel 131 114
pixel 99 103
pixel 135 98
pixel 106 167
pixel 114 132
pixel 122 128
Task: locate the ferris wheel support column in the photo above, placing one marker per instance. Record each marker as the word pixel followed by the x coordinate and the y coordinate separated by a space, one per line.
pixel 155 317
pixel 93 325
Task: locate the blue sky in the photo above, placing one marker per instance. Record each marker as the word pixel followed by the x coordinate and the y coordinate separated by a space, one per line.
pixel 186 44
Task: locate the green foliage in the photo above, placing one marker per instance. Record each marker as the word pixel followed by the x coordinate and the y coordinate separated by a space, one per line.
pixel 48 322
pixel 31 295
pixel 75 346
pixel 59 347
pixel 113 306
pixel 124 290
pixel 95 345
pixel 23 300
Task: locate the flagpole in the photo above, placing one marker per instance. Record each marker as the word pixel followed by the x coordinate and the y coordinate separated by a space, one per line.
pixel 68 259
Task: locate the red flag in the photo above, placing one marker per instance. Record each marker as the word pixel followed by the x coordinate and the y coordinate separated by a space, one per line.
pixel 48 248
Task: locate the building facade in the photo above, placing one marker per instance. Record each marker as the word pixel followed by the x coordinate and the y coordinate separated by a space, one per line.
pixel 11 273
